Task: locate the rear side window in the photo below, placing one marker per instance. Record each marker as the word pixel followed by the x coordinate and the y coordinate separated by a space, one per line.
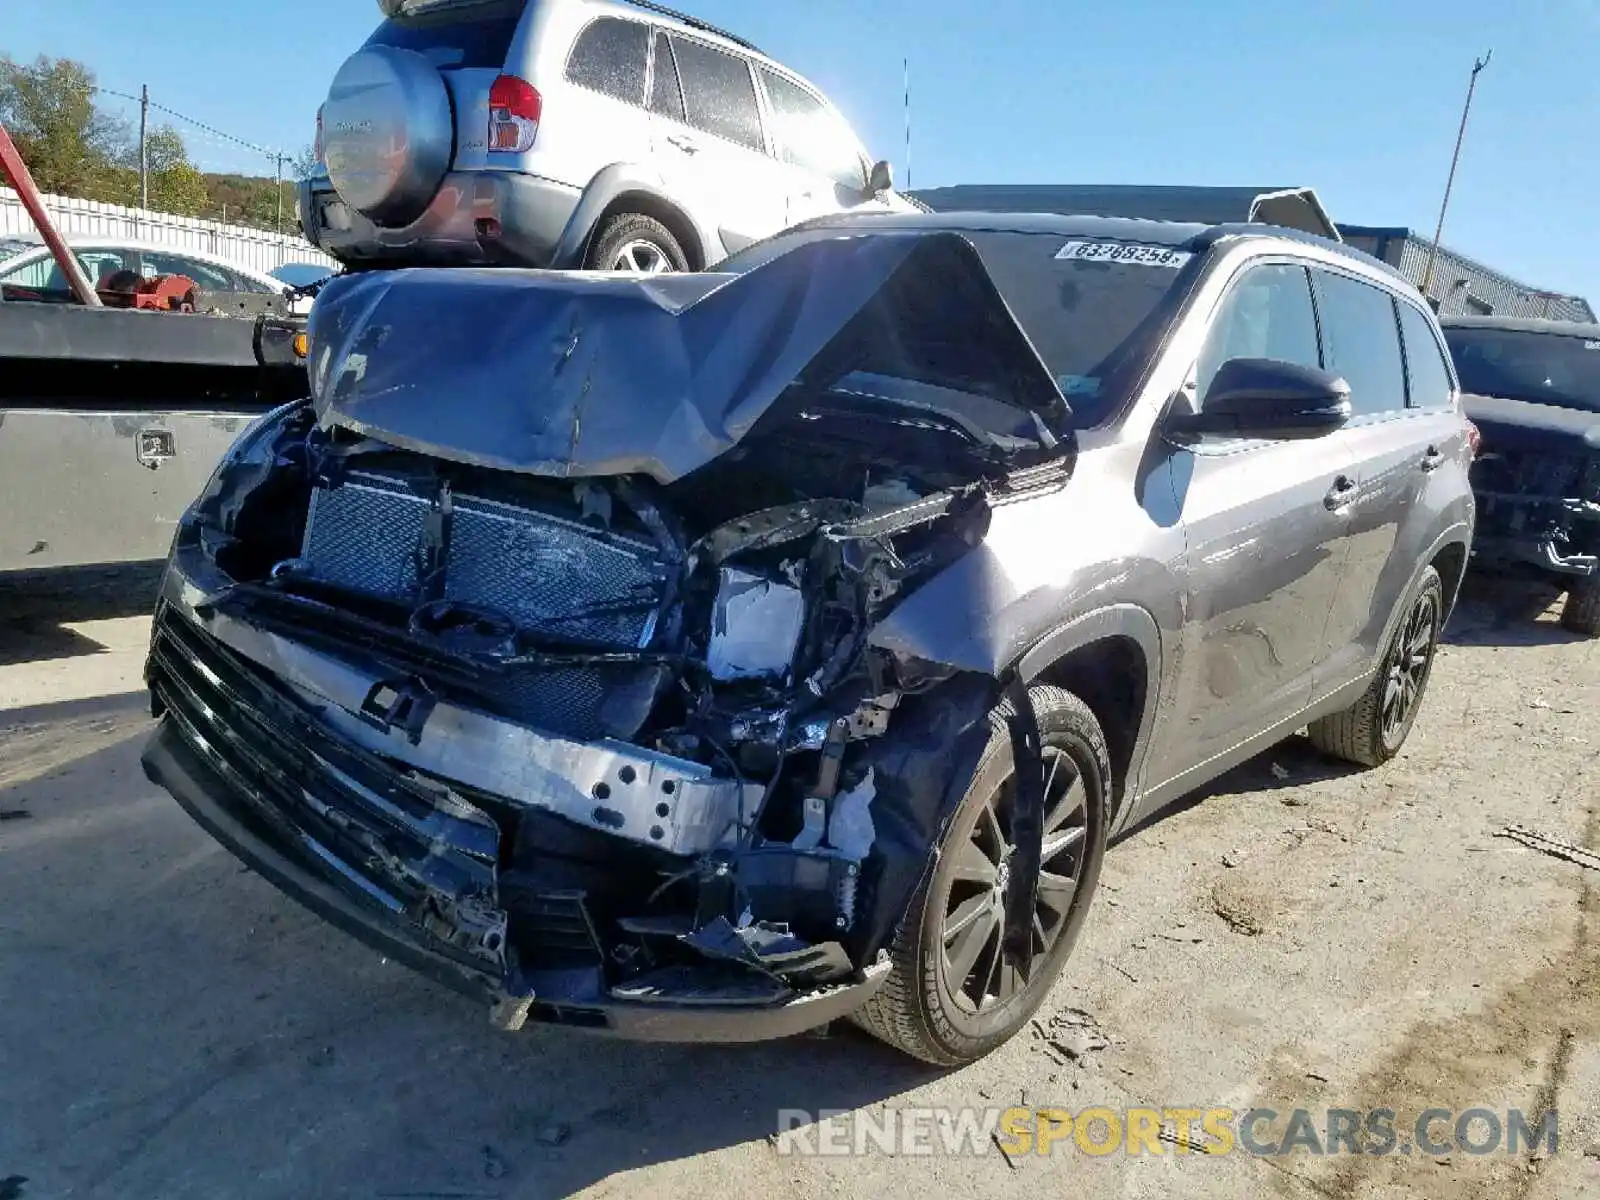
pixel 1427 377
pixel 1361 342
pixel 1267 313
pixel 456 35
pixel 610 58
pixel 718 93
pixel 809 135
pixel 666 95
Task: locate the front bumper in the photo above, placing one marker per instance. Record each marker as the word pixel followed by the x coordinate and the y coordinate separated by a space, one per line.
pixel 357 843
pixel 477 217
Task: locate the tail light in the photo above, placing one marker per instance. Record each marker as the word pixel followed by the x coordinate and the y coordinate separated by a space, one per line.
pixel 515 107
pixel 317 146
pixel 1474 439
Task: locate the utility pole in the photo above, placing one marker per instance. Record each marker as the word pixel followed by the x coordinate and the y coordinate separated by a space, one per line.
pixel 908 124
pixel 1477 66
pixel 144 150
pixel 281 156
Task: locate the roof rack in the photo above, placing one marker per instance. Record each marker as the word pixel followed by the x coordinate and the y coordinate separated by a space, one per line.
pixel 692 22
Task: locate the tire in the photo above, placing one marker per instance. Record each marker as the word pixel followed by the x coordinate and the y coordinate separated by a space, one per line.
pixel 917 1010
pixel 634 236
pixel 1366 733
pixel 1581 612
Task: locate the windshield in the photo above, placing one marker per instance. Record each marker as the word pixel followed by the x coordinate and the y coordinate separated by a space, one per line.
pixel 1544 368
pixel 1079 307
pixel 455 35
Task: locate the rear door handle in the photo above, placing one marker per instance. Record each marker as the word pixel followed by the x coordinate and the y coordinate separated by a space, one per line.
pixel 687 145
pixel 1433 459
pixel 1343 491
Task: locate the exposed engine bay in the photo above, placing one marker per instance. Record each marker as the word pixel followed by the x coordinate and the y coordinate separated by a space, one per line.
pixel 601 731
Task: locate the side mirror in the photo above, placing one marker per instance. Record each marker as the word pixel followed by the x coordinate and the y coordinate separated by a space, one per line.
pixel 1266 398
pixel 881 178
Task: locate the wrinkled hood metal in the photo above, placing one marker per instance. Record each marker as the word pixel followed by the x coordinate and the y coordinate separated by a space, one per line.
pixel 589 374
pixel 1521 425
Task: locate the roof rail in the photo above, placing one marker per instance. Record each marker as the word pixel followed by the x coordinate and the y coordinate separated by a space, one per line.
pixel 692 22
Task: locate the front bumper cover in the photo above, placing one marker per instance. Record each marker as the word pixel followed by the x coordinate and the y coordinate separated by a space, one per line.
pixel 556 998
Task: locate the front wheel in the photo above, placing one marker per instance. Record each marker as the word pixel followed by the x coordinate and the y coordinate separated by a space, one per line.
pixel 1581 612
pixel 636 243
pixel 951 996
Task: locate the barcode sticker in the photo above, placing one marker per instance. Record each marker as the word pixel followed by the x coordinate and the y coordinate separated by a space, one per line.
pixel 1124 252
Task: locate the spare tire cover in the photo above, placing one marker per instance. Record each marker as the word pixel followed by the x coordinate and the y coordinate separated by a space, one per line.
pixel 388 133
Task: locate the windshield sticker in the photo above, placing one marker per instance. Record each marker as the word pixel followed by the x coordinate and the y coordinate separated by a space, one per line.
pixel 1078 385
pixel 1124 252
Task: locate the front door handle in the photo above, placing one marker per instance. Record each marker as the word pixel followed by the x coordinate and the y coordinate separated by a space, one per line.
pixel 1433 459
pixel 1343 491
pixel 687 145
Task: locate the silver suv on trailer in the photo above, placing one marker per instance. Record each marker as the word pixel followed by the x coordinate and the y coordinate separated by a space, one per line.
pixel 571 133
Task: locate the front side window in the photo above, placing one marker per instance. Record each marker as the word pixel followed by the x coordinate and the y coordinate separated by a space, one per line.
pixel 1541 368
pixel 1427 378
pixel 718 93
pixel 1361 342
pixel 610 58
pixel 810 136
pixel 205 276
pixel 1267 313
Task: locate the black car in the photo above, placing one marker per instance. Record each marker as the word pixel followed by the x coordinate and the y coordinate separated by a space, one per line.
pixel 1533 390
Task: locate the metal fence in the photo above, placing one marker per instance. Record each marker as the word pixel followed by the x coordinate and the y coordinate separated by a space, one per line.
pixel 257 248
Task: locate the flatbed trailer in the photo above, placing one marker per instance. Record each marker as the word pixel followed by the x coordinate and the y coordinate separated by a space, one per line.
pixel 117 402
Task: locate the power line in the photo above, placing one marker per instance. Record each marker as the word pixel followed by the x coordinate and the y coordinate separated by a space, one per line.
pixel 215 132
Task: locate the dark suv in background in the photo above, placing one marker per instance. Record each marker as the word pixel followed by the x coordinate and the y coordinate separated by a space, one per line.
pixel 1533 390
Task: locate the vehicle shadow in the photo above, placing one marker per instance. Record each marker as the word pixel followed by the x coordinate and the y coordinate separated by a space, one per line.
pixel 1286 767
pixel 1496 611
pixel 38 608
pixel 260 1028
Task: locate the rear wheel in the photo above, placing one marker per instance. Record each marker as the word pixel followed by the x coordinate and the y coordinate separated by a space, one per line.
pixel 635 242
pixel 1581 612
pixel 951 997
pixel 1372 730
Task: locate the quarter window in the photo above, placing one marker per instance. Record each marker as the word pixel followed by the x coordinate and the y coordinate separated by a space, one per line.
pixel 666 94
pixel 1361 342
pixel 610 58
pixel 718 93
pixel 810 136
pixel 1266 314
pixel 1427 377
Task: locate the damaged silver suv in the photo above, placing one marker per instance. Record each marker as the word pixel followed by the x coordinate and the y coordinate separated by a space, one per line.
pixel 713 656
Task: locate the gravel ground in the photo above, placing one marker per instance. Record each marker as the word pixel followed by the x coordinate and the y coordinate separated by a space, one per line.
pixel 1303 936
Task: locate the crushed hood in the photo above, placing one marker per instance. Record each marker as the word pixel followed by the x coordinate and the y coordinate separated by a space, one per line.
pixel 597 374
pixel 1521 426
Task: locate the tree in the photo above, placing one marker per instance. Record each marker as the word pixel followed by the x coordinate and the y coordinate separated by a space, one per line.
pixel 70 146
pixel 304 164
pixel 176 185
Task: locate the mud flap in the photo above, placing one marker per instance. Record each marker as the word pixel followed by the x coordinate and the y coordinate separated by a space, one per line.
pixel 1027 828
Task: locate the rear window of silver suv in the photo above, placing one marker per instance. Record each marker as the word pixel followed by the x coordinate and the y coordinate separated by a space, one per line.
pixel 456 35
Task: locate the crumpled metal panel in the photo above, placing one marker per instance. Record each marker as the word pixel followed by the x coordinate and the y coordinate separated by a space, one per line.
pixel 585 374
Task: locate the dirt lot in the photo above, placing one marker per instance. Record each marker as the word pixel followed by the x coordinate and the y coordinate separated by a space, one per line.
pixel 1301 937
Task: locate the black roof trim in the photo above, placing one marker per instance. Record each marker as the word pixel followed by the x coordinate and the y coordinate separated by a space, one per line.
pixel 1581 329
pixel 693 23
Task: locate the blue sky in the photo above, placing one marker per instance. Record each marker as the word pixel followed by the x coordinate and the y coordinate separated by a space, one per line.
pixel 1358 98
